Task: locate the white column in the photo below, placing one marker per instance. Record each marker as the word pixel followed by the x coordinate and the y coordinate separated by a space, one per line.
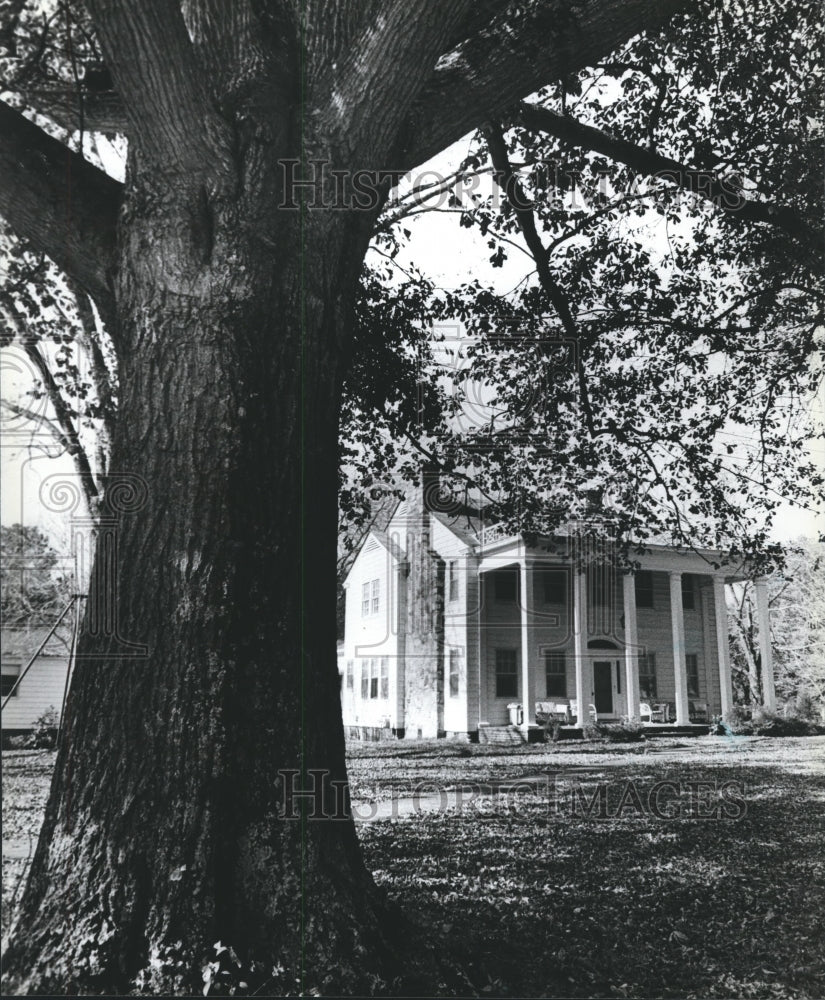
pixel 528 681
pixel 765 652
pixel 720 608
pixel 679 669
pixel 580 646
pixel 631 646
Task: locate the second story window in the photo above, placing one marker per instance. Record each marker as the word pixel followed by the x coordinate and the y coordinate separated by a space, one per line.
pixel 370 598
pixel 554 586
pixel 688 593
pixel 644 589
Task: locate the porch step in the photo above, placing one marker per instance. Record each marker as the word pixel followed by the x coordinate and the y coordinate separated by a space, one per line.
pixel 500 735
pixel 671 729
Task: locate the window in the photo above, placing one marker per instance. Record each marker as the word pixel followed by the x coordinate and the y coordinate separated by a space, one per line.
pixel 506 584
pixel 370 598
pixel 373 678
pixel 452 580
pixel 11 671
pixel 350 675
pixel 555 669
pixel 554 583
pixel 644 589
pixel 506 674
pixel 455 660
pixel 688 593
pixel 692 666
pixel 385 677
pixel 647 675
pixel 365 679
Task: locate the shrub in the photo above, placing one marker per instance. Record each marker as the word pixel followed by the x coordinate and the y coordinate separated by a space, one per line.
pixel 772 724
pixel 593 731
pixel 736 722
pixel 805 707
pixel 43 735
pixel 625 731
pixel 742 721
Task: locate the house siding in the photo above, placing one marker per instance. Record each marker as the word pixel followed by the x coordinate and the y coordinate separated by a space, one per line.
pixel 371 638
pixel 42 688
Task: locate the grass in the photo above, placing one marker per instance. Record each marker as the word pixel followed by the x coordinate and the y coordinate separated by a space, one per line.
pixel 526 895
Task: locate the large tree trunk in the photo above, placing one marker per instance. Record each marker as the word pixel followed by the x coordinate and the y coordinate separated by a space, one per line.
pixel 165 831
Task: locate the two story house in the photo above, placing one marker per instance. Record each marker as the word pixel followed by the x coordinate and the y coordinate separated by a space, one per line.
pixel 453 625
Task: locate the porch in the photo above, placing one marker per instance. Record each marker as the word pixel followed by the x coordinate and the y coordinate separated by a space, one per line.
pixel 592 631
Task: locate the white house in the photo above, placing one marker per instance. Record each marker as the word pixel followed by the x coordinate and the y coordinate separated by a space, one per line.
pixel 28 693
pixel 450 624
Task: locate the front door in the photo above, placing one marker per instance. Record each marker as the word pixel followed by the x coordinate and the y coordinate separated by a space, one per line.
pixel 603 687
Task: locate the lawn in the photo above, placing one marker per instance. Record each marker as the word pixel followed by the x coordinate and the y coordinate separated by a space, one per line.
pixel 693 869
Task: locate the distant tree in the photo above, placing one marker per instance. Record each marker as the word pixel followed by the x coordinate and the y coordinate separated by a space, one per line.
pixel 53 322
pixel 34 589
pixel 796 596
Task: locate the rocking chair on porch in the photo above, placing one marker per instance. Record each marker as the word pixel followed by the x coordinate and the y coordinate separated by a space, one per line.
pixel 574 711
pixel 658 712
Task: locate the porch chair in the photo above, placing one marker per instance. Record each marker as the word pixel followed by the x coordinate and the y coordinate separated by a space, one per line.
pixel 556 711
pixel 698 711
pixel 574 710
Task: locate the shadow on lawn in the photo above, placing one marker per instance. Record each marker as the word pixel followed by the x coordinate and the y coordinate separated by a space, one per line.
pixel 545 905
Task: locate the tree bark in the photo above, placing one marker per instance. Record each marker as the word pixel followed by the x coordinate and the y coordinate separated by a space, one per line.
pixel 169 827
pixel 165 830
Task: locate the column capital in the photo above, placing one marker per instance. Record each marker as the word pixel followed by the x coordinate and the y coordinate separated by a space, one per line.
pixel 674 573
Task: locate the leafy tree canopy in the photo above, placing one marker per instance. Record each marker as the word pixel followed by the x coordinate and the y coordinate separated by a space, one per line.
pixel 657 360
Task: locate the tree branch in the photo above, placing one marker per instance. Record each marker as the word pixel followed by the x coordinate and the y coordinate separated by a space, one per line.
pixel 61 204
pixel 513 56
pixel 506 176
pixel 98 111
pixel 89 337
pixel 163 87
pixel 644 161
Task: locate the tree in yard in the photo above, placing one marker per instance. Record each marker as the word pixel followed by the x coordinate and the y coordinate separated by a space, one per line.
pixel 231 283
pixel 53 321
pixel 797 607
pixel 34 591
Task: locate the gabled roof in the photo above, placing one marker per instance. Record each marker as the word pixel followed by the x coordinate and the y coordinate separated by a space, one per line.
pixel 383 539
pixel 463 526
